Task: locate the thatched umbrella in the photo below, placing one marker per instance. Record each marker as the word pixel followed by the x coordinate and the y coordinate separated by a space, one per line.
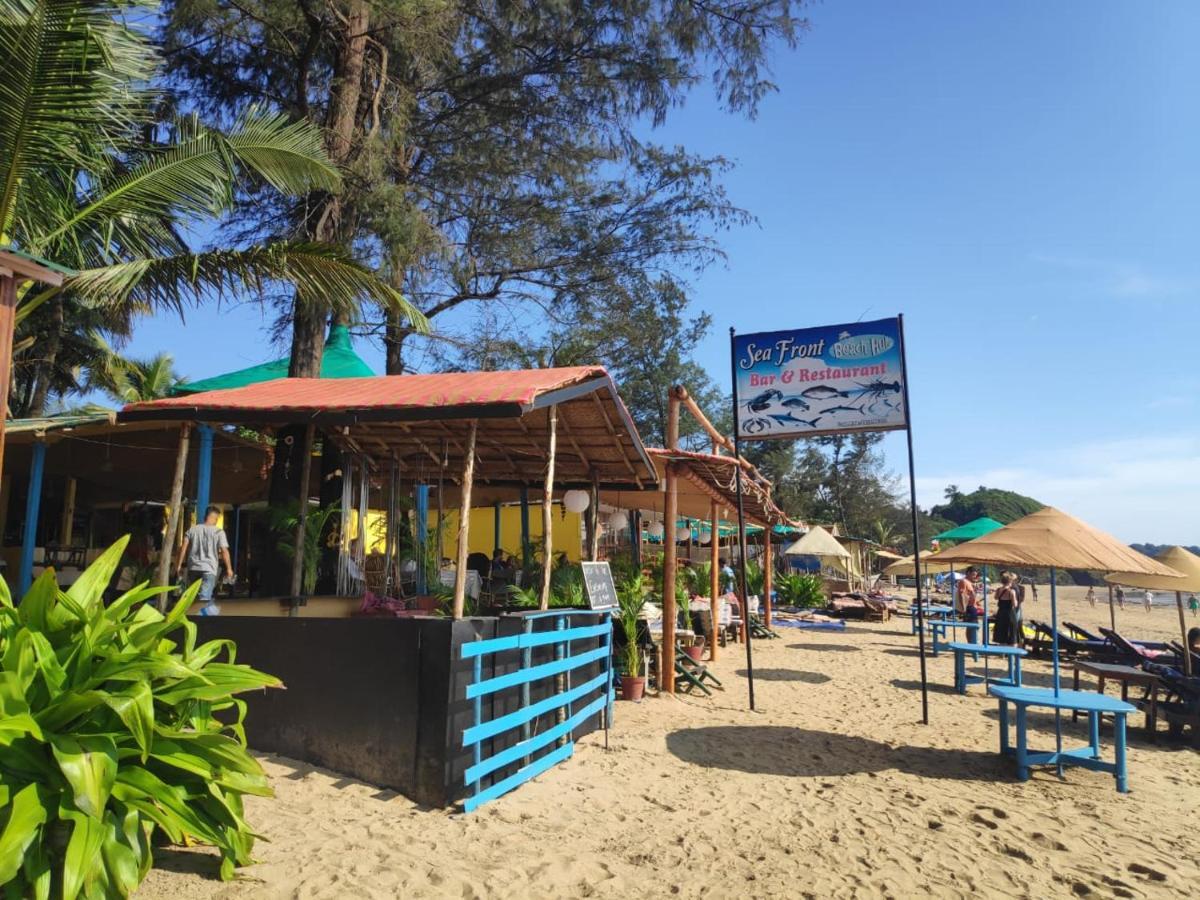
pixel 1052 539
pixel 1182 561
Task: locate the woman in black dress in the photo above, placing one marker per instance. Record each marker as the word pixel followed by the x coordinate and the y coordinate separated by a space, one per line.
pixel 1003 630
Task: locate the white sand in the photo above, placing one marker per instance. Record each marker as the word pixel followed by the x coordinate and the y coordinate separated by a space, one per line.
pixel 832 789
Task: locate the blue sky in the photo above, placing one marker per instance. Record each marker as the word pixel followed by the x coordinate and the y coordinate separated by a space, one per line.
pixel 1021 180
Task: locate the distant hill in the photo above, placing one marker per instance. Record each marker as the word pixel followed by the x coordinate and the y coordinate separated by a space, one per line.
pixel 1003 506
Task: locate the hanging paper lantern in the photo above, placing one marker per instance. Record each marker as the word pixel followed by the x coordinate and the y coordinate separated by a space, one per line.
pixel 682 534
pixel 655 530
pixel 618 520
pixel 576 501
pixel 706 537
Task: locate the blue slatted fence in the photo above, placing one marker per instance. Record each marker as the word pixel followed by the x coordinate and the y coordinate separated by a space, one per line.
pixel 571 701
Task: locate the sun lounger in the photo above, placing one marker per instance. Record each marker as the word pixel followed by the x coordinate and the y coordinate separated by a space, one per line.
pixel 1181 704
pixel 1101 651
pixel 690 674
pixel 1081 634
pixel 1141 651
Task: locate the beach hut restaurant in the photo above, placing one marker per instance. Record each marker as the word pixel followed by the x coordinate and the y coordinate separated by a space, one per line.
pixel 384 698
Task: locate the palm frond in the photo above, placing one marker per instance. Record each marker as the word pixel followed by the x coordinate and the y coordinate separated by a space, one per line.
pixel 66 66
pixel 321 274
pixel 198 173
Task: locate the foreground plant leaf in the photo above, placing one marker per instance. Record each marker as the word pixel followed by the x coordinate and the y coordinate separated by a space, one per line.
pixel 108 734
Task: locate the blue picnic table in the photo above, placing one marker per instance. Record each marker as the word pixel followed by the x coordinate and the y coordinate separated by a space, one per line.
pixel 931 612
pixel 1076 701
pixel 939 627
pixel 1012 655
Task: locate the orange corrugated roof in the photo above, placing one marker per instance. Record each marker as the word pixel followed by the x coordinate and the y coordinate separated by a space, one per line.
pixel 378 394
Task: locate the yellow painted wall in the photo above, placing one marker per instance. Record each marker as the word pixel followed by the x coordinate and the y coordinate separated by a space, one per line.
pixel 566 531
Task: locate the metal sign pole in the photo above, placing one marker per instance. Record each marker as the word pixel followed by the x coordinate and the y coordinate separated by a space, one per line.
pixel 737 455
pixel 916 528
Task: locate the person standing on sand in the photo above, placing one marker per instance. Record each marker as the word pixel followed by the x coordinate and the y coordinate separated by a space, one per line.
pixel 965 594
pixel 1091 596
pixel 1120 596
pixel 1006 605
pixel 1033 587
pixel 1149 600
pixel 1193 604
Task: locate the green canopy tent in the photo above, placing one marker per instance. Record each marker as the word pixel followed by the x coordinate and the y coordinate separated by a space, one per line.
pixel 976 528
pixel 338 361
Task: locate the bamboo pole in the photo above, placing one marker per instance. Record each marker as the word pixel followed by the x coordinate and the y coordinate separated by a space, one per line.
pixel 666 674
pixel 594 502
pixel 547 507
pixel 441 500
pixel 163 577
pixel 302 517
pixel 464 522
pixel 66 533
pixel 714 545
pixel 768 575
pixel 1112 610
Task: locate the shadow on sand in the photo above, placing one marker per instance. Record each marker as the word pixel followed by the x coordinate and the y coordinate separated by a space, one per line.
pixel 787 675
pixel 934 687
pixel 804 753
pixel 916 651
pixel 837 648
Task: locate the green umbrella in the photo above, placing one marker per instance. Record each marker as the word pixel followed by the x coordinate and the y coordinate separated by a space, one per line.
pixel 976 528
pixel 338 361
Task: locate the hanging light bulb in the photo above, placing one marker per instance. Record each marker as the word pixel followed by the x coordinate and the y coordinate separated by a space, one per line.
pixel 576 501
pixel 236 465
pixel 618 520
pixel 107 465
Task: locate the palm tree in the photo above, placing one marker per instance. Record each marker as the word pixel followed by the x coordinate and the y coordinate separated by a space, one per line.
pixel 91 178
pixel 135 380
pixel 883 532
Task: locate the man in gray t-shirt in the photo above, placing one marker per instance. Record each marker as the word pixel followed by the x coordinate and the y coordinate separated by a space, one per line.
pixel 205 548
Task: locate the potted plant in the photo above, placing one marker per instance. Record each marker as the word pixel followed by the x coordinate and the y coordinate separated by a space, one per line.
pixel 693 644
pixel 631 596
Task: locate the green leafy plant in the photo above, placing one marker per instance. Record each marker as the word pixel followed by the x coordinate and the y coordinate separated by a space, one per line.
pixel 109 737
pixel 566 587
pixel 524 597
pixel 631 597
pixel 755 578
pixel 283 525
pixel 797 589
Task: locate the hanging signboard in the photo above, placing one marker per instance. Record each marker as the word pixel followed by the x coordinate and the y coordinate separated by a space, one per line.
pixel 813 381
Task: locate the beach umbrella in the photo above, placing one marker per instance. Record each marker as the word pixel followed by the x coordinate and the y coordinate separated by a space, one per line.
pixel 1181 560
pixel 976 528
pixel 930 565
pixel 1049 538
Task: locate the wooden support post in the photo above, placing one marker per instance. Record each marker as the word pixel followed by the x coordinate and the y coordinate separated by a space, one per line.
pixel 548 506
pixel 666 673
pixel 441 503
pixel 66 532
pixel 302 517
pixel 714 545
pixel 163 576
pixel 1112 610
pixel 8 318
pixel 1187 649
pixel 768 575
pixel 594 503
pixel 464 523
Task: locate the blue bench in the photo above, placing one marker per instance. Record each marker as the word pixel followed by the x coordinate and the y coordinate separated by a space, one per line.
pixel 931 612
pixel 939 627
pixel 1075 701
pixel 1012 655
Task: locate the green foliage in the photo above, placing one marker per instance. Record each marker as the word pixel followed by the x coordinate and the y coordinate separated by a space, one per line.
pixel 94 178
pixel 755 578
pixel 566 587
pixel 1003 506
pixel 797 589
pixel 631 597
pixel 524 597
pixel 283 524
pixel 110 737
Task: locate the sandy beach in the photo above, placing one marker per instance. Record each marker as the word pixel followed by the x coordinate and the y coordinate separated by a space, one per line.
pixel 832 788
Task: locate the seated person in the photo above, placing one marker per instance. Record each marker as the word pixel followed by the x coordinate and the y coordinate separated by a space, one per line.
pixel 1193 638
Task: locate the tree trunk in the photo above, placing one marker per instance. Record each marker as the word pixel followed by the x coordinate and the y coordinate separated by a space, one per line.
pixel 44 374
pixel 393 342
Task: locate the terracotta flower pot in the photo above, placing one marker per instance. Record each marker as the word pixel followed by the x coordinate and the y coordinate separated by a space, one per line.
pixel 632 688
pixel 696 652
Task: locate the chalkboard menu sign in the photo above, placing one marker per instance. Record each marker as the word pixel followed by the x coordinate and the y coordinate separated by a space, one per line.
pixel 601 592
